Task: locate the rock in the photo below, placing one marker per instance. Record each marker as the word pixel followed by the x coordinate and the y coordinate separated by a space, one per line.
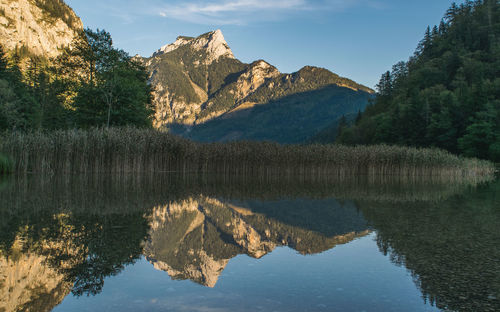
pixel 27 23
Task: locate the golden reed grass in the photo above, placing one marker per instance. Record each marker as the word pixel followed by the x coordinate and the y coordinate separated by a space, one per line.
pixel 131 150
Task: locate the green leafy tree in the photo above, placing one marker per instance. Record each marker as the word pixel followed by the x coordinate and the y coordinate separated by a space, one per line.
pixel 113 88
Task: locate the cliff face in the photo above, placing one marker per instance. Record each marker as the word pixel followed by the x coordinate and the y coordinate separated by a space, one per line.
pixel 42 27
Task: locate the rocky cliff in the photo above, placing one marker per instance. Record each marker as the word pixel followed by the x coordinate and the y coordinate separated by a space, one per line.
pixel 40 27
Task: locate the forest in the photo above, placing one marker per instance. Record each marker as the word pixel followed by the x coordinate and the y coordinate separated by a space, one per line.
pixel 447 95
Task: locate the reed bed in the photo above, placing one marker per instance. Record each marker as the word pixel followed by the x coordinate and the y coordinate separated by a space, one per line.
pixel 131 150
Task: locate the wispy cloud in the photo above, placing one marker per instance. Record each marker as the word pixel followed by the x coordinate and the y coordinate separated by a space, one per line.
pixel 242 11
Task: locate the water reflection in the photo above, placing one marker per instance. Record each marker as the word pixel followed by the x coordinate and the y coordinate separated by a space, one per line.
pixel 67 235
pixel 195 238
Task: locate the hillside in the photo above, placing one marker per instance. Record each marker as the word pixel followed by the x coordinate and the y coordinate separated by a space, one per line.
pixel 203 92
pixel 447 94
pixel 38 27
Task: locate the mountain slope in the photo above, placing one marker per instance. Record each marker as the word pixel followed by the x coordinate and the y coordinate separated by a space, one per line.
pixel 201 89
pixel 39 27
pixel 291 119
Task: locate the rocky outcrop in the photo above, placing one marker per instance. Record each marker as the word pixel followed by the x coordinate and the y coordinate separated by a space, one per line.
pixel 253 78
pixel 212 43
pixel 42 27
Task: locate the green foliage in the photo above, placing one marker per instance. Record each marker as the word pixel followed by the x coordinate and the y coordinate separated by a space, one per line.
pixel 112 89
pixel 447 94
pixel 18 108
pixel 92 84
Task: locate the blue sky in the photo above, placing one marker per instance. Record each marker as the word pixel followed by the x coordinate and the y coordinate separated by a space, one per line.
pixel 358 39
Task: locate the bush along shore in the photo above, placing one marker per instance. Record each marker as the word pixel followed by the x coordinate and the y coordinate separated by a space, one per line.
pixel 131 150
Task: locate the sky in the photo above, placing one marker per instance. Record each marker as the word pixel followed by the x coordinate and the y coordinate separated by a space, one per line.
pixel 357 39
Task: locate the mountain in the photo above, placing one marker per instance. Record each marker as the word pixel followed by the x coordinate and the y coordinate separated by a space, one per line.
pixel 203 92
pixel 447 94
pixel 37 27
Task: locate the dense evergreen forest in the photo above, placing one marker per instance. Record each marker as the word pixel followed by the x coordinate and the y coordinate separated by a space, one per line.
pixel 447 94
pixel 90 85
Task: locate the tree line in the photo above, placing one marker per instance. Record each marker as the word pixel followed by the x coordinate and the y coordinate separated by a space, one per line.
pixel 91 84
pixel 447 94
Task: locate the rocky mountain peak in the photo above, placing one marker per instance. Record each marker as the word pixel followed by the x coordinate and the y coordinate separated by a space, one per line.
pixel 213 43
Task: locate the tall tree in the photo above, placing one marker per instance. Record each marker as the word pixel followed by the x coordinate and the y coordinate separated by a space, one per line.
pixel 113 88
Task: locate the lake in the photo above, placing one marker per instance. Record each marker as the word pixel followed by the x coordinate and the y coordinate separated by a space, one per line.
pixel 171 242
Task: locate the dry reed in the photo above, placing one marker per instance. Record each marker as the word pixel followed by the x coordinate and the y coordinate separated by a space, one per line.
pixel 130 150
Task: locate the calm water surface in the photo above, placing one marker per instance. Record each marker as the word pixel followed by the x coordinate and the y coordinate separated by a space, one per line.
pixel 172 243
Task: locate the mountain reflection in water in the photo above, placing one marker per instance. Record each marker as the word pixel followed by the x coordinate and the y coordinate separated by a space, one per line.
pixel 67 235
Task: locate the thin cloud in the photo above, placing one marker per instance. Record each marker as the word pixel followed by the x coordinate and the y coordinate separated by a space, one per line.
pixel 244 5
pixel 225 12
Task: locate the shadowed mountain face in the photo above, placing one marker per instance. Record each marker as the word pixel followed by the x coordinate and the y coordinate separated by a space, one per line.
pixel 198 81
pixel 68 235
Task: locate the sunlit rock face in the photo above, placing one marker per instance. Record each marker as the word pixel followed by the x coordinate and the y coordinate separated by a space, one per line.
pixel 212 43
pixel 30 24
pixel 195 239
